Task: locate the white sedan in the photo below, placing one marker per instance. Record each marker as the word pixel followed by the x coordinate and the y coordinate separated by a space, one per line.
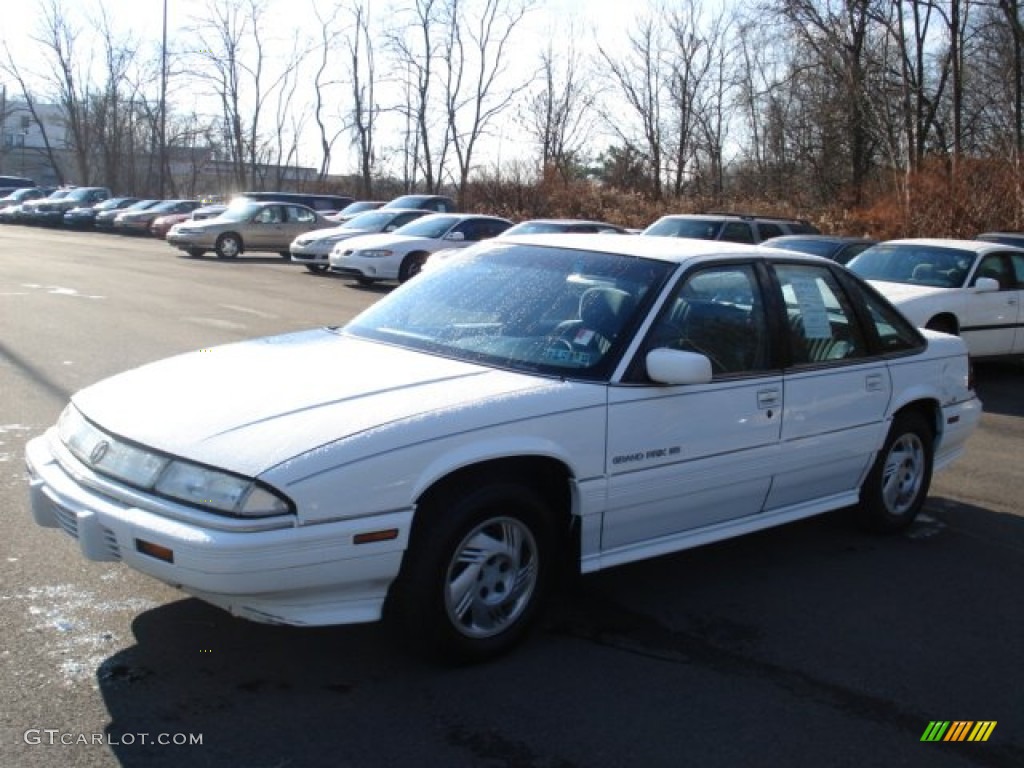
pixel 314 248
pixel 401 254
pixel 970 288
pixel 538 404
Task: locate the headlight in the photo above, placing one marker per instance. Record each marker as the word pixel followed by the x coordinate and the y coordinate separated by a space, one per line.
pixel 378 253
pixel 181 480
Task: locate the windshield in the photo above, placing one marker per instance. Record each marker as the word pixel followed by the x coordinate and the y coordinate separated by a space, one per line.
pixel 525 307
pixel 429 226
pixel 372 221
pixel 407 201
pixel 240 210
pixel 697 227
pixel 914 264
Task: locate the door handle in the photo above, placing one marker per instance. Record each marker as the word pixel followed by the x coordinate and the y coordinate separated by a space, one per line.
pixel 768 398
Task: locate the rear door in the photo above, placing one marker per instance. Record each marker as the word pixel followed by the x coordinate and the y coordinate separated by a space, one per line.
pixel 836 391
pixel 992 320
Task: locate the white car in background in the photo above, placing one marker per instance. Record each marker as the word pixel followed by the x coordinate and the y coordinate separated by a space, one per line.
pixel 401 254
pixel 969 288
pixel 540 405
pixel 313 249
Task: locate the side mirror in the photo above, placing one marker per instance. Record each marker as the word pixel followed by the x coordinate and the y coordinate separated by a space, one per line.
pixel 986 285
pixel 455 236
pixel 677 366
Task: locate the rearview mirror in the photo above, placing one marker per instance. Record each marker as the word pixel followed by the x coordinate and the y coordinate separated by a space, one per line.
pixel 986 285
pixel 456 236
pixel 678 366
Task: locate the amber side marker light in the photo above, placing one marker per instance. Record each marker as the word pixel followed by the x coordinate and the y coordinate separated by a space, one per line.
pixel 368 538
pixel 155 550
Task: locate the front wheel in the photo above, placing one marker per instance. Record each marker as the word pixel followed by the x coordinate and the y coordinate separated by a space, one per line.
pixel 317 269
pixel 228 246
pixel 412 266
pixel 476 572
pixel 897 485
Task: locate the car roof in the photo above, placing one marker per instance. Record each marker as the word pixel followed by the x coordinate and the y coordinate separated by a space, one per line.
pixel 679 250
pixel 978 246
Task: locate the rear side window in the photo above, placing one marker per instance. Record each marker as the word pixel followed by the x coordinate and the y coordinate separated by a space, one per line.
pixel 766 230
pixel 823 325
pixel 737 232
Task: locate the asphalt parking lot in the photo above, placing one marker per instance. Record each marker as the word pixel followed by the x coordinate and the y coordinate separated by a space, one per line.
pixel 808 645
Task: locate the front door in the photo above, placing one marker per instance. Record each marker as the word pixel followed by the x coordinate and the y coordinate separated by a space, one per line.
pixel 686 457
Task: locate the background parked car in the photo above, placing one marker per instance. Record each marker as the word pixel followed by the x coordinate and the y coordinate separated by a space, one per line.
pixel 321 203
pixel 835 247
pixel 354 209
pixel 435 203
pixel 208 211
pixel 50 212
pixel 10 205
pixel 137 222
pixel 401 254
pixel 105 219
pixel 1016 239
pixel 564 226
pixel 971 288
pixel 734 227
pixel 313 248
pixel 247 225
pixel 84 217
pixel 26 211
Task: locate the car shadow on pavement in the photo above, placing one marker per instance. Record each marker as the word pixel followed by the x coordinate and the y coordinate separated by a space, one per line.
pixel 712 653
pixel 999 384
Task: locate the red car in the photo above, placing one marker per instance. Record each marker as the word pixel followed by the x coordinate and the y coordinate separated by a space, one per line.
pixel 161 224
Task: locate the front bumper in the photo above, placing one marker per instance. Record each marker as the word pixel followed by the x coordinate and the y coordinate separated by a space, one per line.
pixel 293 574
pixel 376 268
pixel 311 253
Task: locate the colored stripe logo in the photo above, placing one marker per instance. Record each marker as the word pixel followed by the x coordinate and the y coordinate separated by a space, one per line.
pixel 959 730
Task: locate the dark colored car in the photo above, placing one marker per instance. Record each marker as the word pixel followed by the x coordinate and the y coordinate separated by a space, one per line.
pixel 835 247
pixel 26 211
pixel 84 217
pixel 131 222
pixel 1015 239
pixel 321 203
pixel 566 226
pixel 105 219
pixel 435 203
pixel 49 212
pixel 10 206
pixel 731 227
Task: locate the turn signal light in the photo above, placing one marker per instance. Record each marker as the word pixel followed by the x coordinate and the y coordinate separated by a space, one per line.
pixel 155 550
pixel 368 538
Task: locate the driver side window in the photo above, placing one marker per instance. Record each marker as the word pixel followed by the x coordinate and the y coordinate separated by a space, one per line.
pixel 717 312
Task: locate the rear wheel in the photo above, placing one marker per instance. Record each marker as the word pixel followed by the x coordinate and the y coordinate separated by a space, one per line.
pixel 476 572
pixel 195 253
pixel 897 485
pixel 365 281
pixel 317 269
pixel 286 255
pixel 229 246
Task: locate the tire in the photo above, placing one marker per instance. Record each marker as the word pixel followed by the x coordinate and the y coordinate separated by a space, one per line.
pixel 286 255
pixel 229 246
pixel 411 266
pixel 195 253
pixel 317 269
pixel 478 568
pixel 366 282
pixel 897 485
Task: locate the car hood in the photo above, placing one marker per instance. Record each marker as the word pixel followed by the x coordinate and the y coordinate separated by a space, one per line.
pixel 249 406
pixel 383 240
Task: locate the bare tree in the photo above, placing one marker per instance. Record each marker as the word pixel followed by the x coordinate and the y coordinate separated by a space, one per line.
pixel 477 49
pixel 364 104
pixel 559 113
pixel 639 77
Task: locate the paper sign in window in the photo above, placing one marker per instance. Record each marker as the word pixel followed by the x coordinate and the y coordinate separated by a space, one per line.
pixel 812 308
